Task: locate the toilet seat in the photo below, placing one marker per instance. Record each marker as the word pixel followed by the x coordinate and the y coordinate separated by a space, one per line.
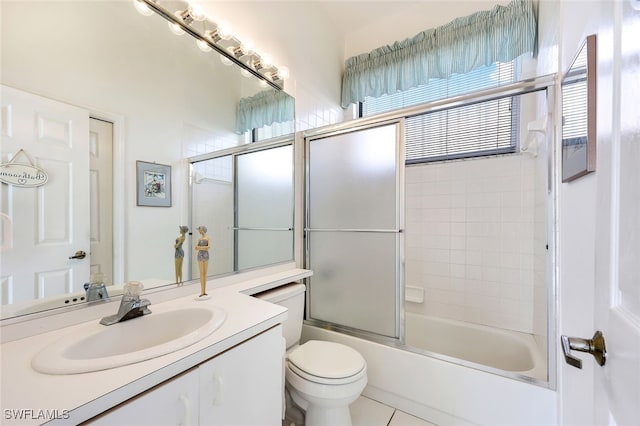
pixel 327 363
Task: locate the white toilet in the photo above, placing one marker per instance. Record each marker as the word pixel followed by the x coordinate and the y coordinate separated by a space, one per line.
pixel 323 378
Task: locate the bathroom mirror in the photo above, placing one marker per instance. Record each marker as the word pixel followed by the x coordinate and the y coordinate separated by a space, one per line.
pixel 168 101
pixel 579 114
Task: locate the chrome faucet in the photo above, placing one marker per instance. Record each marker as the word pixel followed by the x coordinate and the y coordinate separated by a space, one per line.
pixel 96 292
pixel 131 305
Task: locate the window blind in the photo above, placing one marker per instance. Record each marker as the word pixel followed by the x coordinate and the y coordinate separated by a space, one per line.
pixel 483 128
pixel 574 101
pixel 480 129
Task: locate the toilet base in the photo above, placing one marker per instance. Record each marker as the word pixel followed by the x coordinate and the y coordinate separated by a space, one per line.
pixel 323 416
pixel 321 411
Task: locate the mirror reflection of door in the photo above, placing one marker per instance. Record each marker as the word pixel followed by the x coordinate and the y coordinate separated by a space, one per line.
pixel 101 198
pixel 49 223
pixel 70 213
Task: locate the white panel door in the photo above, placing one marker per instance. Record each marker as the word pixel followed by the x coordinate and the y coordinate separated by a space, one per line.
pixel 48 224
pixel 100 177
pixel 617 385
pixel 614 387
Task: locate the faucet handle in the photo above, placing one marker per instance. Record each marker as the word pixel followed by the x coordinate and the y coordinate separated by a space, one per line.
pixel 132 289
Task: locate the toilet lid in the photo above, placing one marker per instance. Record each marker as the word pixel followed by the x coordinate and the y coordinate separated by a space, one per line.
pixel 327 360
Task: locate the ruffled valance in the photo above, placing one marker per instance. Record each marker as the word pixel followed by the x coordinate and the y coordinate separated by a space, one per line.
pixel 265 108
pixel 500 34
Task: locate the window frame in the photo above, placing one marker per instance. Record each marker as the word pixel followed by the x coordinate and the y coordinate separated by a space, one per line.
pixel 452 103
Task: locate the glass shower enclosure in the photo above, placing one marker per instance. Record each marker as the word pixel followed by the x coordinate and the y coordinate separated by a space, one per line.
pixel 353 231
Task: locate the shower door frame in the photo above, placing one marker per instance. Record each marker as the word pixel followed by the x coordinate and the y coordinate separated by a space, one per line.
pixel 341 129
pixel 546 83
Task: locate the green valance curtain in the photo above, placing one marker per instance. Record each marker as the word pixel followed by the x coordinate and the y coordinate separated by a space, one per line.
pixel 500 34
pixel 267 107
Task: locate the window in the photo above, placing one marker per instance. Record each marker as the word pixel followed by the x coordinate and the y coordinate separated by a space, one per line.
pixel 483 128
pixel 272 131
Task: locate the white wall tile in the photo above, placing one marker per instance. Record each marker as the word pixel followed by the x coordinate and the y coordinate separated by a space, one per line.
pixel 472 238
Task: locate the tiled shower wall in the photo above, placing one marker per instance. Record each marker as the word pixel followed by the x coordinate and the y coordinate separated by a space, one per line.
pixel 470 240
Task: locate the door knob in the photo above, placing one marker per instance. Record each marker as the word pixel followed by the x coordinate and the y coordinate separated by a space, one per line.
pixel 79 255
pixel 595 346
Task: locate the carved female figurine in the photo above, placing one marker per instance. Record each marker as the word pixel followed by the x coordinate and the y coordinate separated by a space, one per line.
pixel 202 247
pixel 179 255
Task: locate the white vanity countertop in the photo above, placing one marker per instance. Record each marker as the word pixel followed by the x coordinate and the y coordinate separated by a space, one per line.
pixel 83 396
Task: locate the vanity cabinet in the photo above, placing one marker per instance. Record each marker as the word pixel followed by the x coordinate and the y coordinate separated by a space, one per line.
pixel 241 386
pixel 174 402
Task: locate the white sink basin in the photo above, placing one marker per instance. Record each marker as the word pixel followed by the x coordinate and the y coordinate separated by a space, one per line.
pixel 99 347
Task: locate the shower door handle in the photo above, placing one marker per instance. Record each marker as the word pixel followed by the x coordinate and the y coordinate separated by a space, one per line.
pixel 595 346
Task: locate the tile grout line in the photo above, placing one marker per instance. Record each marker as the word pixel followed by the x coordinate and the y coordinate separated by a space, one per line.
pixel 391 418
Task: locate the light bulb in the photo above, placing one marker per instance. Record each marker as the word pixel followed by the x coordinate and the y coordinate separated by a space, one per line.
pixel 196 11
pixel 283 72
pixel 142 8
pixel 175 28
pixel 245 73
pixel 203 45
pixel 266 60
pixel 247 47
pixel 263 83
pixel 224 30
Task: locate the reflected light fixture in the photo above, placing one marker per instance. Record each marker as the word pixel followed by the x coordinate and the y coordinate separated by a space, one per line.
pixel 218 37
pixel 225 58
pixel 203 45
pixel 142 8
pixel 185 16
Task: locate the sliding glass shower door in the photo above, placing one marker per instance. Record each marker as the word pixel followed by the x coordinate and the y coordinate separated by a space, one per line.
pixel 263 228
pixel 353 229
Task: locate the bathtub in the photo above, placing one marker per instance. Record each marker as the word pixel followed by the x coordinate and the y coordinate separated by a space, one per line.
pixel 442 390
pixel 505 350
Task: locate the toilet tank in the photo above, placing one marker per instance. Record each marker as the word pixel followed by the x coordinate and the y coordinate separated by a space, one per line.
pixel 291 296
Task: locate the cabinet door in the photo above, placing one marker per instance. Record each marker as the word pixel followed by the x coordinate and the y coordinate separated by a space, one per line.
pixel 173 403
pixel 244 386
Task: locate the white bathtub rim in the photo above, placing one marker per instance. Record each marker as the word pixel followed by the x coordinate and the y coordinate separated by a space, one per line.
pixel 537 375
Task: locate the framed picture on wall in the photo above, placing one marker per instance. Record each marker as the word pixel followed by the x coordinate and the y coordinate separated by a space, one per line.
pixel 154 184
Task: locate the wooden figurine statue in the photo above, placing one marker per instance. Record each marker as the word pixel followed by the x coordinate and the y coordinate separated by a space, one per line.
pixel 179 255
pixel 202 247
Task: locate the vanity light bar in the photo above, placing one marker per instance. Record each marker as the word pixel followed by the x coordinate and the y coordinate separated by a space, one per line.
pixel 233 53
